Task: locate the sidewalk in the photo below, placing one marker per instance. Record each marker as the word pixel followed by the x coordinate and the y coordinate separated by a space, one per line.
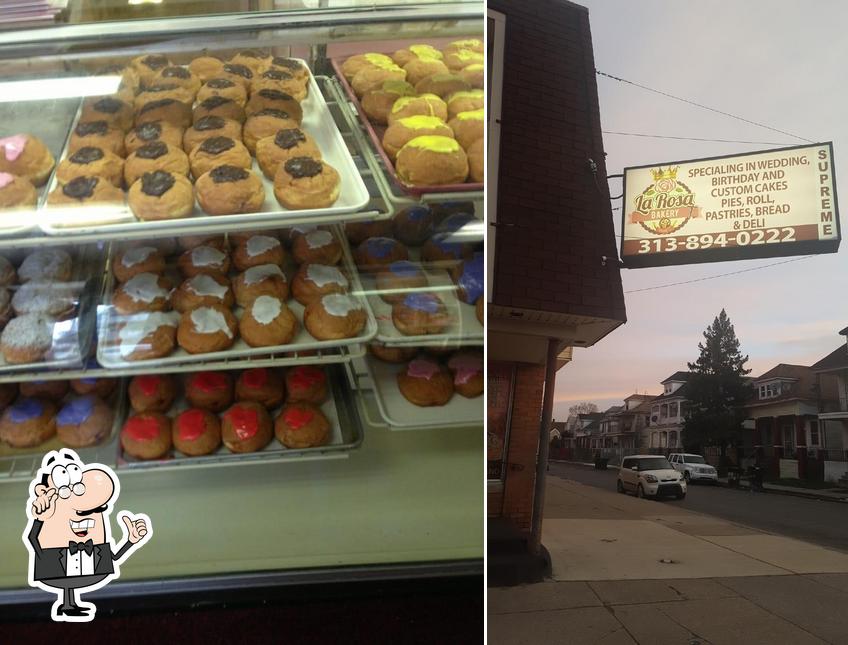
pixel 627 570
pixel 830 495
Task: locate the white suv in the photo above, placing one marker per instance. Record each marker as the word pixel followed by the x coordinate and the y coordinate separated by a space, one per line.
pixel 693 467
pixel 650 476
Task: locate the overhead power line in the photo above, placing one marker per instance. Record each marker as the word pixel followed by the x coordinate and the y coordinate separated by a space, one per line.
pixel 719 275
pixel 663 136
pixel 701 105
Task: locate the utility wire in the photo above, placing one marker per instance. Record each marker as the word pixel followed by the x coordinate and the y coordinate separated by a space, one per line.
pixel 661 136
pixel 700 105
pixel 719 275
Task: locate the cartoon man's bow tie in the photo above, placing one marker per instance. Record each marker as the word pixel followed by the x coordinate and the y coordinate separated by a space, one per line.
pixel 87 546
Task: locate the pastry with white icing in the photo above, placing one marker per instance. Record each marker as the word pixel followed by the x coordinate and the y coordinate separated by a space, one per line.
pixel 312 281
pixel 318 247
pixel 262 280
pixel 146 336
pixel 209 328
pixel 202 289
pixel 135 260
pixel 204 259
pixel 335 316
pixel 257 250
pixel 26 339
pixel 267 322
pixel 143 292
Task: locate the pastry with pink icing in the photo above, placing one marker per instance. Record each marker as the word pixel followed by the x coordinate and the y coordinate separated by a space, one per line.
pixel 312 281
pixel 26 156
pixel 425 382
pixel 335 316
pixel 137 259
pixel 267 322
pixel 467 368
pixel 204 259
pixel 317 247
pixel 262 280
pixel 143 292
pixel 16 192
pixel 257 250
pixel 209 328
pixel 202 289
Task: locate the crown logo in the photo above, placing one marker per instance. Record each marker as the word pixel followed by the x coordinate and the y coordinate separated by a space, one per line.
pixel 668 173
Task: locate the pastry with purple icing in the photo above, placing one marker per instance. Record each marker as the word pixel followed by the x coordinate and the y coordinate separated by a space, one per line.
pixel 468 277
pixel 443 250
pixel 396 280
pixel 425 382
pixel 414 225
pixel 375 253
pixel 85 421
pixel 28 423
pixel 420 314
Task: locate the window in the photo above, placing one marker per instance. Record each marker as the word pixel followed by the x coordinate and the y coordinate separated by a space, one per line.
pixel 770 390
pixel 667 389
pixel 495 26
pixel 814 434
pixel 672 410
pixel 789 440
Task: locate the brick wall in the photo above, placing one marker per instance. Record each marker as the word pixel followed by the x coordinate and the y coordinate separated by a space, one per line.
pixel 554 217
pixel 517 501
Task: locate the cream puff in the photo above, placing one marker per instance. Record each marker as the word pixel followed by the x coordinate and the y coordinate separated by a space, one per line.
pixel 227 190
pixel 305 182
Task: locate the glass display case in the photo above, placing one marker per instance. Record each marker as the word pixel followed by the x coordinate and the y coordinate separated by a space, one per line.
pixel 201 219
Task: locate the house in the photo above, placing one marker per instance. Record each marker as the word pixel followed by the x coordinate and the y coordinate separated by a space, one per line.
pixel 664 431
pixel 553 275
pixel 785 417
pixel 832 428
pixel 587 433
pixel 621 425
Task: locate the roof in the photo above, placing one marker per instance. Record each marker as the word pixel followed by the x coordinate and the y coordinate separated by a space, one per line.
pixel 591 416
pixel 639 396
pixel 559 425
pixel 837 359
pixel 613 409
pixel 681 377
pixel 785 371
pixel 679 393
pixel 645 406
pixel 844 332
pixel 803 387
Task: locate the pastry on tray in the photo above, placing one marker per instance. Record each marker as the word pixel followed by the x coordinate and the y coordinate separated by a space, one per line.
pixel 26 156
pixel 147 435
pixel 302 425
pixel 196 432
pixel 425 382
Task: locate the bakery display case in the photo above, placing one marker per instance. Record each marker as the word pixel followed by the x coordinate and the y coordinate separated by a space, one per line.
pixel 232 271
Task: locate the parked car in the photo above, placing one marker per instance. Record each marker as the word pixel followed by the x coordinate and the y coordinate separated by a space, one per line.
pixel 693 467
pixel 650 476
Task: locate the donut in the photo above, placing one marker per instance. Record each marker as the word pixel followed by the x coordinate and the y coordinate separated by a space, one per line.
pixel 228 190
pixel 419 314
pixel 441 251
pixel 398 278
pixel 209 328
pixel 274 99
pixel 317 247
pixel 442 85
pixel 46 298
pixel 358 232
pixel 26 156
pixel 457 59
pixel 402 131
pixel 16 192
pixel 180 76
pixel 211 391
pixel 467 369
pixel 196 432
pixel 372 77
pixel 204 259
pixel 467 127
pixel 258 250
pixel 413 225
pixel 468 277
pixel 266 123
pixel 101 387
pixel 91 162
pixel 206 67
pixel 312 281
pixel 161 195
pixel 28 423
pixel 84 191
pixel 171 110
pixel 425 382
pixel 202 289
pixel 84 421
pixel 403 56
pixel 334 316
pixel 301 425
pixel 246 427
pixel 432 160
pixel 151 132
pixel 237 73
pixel 468 101
pixel 46 265
pixel 306 182
pixel 378 102
pixel 147 435
pixel 221 106
pixel 218 151
pixel 152 392
pixel 293 66
pixel 209 127
pixel 138 259
pixel 420 68
pixel 111 109
pixel 143 292
pixel 148 66
pixel 97 134
pixel 267 322
pixel 53 390
pixel 154 156
pixel 261 385
pixel 285 144
pixel 306 383
pixel 282 81
pixel 425 104
pixel 375 253
pixel 470 44
pixel 162 91
pixel 371 59
pixel 476 162
pixel 392 354
pixel 474 75
pixel 266 279
pixel 223 87
pixel 147 335
pixel 26 339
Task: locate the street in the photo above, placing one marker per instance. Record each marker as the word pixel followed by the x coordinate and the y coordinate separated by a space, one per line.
pixel 820 522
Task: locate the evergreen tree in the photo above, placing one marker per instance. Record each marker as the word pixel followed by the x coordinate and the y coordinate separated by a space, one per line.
pixel 717 389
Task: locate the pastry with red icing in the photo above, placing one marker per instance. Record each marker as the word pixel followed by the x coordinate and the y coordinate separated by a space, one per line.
pixel 147 435
pixel 246 427
pixel 26 156
pixel 211 391
pixel 152 392
pixel 84 421
pixel 196 432
pixel 425 382
pixel 306 383
pixel 261 385
pixel 27 423
pixel 467 368
pixel 302 425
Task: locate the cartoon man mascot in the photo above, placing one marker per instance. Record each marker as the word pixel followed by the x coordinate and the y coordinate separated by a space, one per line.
pixel 68 534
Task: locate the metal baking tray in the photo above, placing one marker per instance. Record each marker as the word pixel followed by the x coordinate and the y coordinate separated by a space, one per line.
pixel 18 464
pixel 72 338
pixel 317 121
pixel 376 131
pixel 400 414
pixel 340 409
pixel 109 356
pixel 51 124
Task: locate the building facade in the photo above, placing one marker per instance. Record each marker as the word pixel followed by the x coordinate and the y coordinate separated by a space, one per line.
pixel 664 432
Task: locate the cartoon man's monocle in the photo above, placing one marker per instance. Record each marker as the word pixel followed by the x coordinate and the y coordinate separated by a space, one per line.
pixel 68 535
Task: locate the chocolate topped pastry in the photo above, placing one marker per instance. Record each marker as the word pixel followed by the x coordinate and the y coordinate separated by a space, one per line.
pixel 108 105
pixel 156 183
pixel 225 174
pixel 289 138
pixel 175 72
pixel 217 145
pixel 220 83
pixel 152 150
pixel 252 53
pixel 86 155
pixel 277 75
pixel 281 61
pixel 148 131
pixel 162 87
pixel 154 105
pixel 91 127
pixel 155 61
pixel 275 95
pixel 209 123
pixel 80 187
pixel 273 112
pixel 300 167
pixel 214 101
pixel 238 70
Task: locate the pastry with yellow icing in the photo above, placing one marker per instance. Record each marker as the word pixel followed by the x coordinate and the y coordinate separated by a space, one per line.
pixel 432 161
pixel 378 102
pixel 462 58
pixel 355 63
pixel 426 104
pixel 442 85
pixel 465 102
pixel 403 56
pixel 373 76
pixel 467 127
pixel 420 68
pixel 404 130
pixel 474 75
pixel 471 44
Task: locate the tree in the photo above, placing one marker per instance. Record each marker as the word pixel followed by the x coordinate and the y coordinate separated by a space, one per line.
pixel 717 389
pixel 584 407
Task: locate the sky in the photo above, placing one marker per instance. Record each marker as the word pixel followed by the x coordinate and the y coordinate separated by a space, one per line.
pixel 781 63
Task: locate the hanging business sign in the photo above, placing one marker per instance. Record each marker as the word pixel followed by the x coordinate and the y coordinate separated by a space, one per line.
pixel 756 205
